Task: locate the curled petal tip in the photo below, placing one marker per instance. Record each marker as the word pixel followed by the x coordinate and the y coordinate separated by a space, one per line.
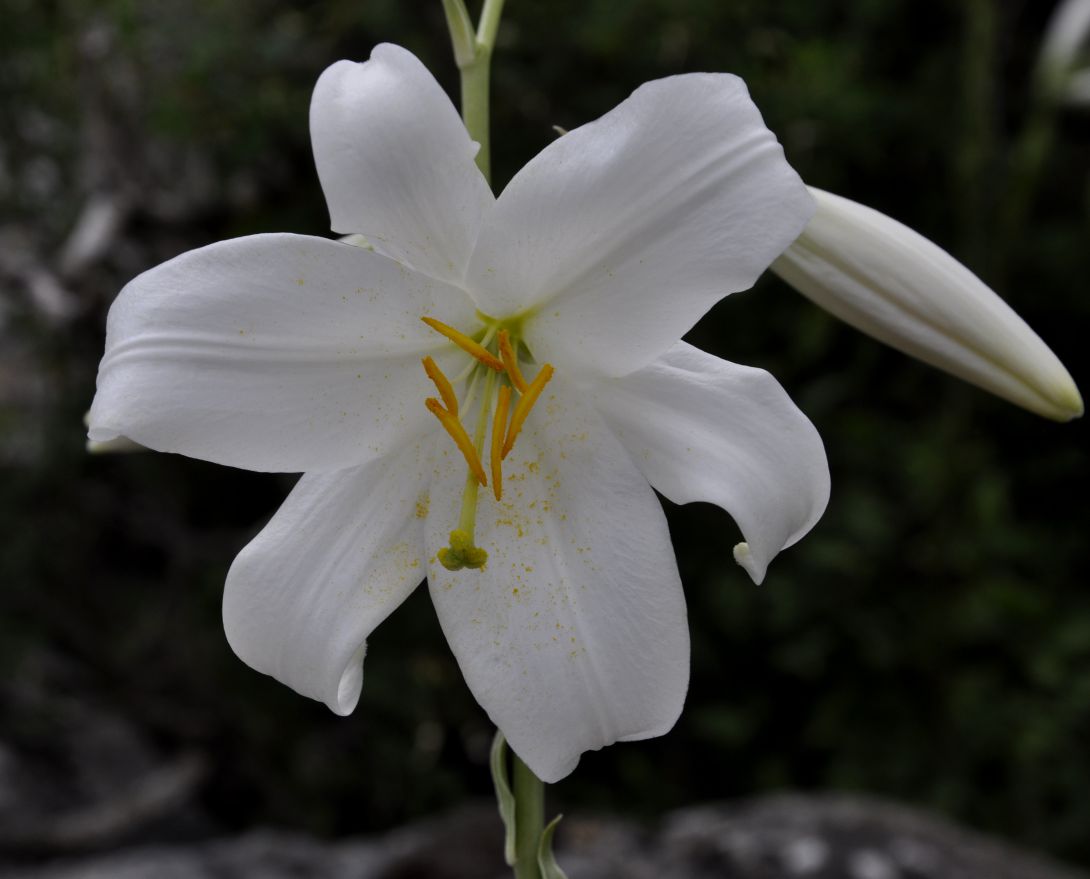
pixel 744 557
pixel 104 442
pixel 111 446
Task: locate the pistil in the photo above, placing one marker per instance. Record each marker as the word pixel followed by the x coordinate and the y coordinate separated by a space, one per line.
pixel 463 552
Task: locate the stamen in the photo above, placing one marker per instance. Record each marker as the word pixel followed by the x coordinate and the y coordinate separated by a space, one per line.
pixel 446 390
pixel 522 408
pixel 463 341
pixel 510 362
pixel 461 438
pixel 499 424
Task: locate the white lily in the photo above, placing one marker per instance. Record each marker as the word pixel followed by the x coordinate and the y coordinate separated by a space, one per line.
pixel 892 283
pixel 557 588
pixel 1062 49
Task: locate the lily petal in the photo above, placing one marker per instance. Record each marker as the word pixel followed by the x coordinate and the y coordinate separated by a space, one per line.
pixel 704 429
pixel 574 635
pixel 621 234
pixel 273 352
pixel 396 162
pixel 344 550
pixel 892 283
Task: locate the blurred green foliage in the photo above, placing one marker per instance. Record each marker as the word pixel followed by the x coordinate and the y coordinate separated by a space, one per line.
pixel 929 641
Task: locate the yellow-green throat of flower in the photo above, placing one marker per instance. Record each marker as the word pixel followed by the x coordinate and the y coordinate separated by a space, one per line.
pixel 495 364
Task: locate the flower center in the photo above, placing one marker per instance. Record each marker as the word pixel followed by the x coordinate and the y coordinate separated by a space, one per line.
pixel 494 364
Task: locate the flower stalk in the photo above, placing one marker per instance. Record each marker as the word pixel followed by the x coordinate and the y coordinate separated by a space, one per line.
pixel 473 55
pixel 475 67
pixel 529 819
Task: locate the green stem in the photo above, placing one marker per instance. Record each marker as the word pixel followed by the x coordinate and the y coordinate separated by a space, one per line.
pixel 529 817
pixel 489 23
pixel 476 72
pixel 475 109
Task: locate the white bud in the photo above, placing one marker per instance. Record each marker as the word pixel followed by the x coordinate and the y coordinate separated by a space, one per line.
pixel 1064 38
pixel 892 283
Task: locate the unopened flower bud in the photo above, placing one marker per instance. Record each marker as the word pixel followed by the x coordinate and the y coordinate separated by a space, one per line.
pixel 892 283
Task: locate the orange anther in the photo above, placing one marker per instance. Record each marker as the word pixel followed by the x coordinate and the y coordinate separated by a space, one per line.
pixel 499 426
pixel 510 362
pixel 446 390
pixel 522 408
pixel 461 439
pixel 465 343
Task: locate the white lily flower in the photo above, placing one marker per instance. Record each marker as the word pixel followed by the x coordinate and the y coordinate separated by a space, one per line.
pixel 892 283
pixel 1062 48
pixel 557 588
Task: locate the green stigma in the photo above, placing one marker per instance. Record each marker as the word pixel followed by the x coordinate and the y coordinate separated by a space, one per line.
pixel 462 553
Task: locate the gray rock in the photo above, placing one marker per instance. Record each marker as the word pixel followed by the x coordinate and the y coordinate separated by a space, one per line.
pixel 781 837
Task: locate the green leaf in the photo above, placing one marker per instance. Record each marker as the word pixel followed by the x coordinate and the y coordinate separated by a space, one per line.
pixel 504 798
pixel 545 859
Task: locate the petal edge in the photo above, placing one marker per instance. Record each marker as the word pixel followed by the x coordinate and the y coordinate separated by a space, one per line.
pixel 342 552
pixel 701 428
pixel 396 163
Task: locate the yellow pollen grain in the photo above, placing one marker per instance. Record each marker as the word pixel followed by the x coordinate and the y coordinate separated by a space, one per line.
pixel 499 425
pixel 510 362
pixel 465 343
pixel 524 405
pixel 446 390
pixel 461 439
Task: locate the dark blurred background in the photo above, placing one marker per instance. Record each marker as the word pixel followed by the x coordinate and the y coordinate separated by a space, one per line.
pixel 928 642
